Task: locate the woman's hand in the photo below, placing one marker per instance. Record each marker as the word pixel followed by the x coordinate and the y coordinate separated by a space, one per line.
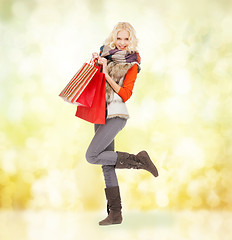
pixel 103 61
pixel 113 84
pixel 95 55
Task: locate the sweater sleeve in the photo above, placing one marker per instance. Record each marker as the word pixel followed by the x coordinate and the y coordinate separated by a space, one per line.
pixel 125 91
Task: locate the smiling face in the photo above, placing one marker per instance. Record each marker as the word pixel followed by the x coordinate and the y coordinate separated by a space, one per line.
pixel 122 41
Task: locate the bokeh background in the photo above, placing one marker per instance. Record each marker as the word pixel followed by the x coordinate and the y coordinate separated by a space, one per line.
pixel 180 109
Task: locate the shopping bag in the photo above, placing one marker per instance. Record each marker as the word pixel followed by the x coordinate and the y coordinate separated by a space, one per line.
pixel 87 96
pixel 95 113
pixel 74 89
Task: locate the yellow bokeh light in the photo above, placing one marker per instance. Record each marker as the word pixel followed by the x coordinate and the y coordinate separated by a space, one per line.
pixel 180 107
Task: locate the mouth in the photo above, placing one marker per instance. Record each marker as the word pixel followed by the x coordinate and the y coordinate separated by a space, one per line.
pixel 122 47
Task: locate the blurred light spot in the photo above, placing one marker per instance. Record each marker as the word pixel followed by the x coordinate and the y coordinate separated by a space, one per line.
pixel 221 66
pixel 9 161
pixel 212 177
pixel 157 137
pixel 3 139
pixel 143 186
pixel 19 10
pixel 31 87
pixel 147 109
pixel 162 198
pixel 38 104
pixel 210 109
pixel 6 201
pixel 27 67
pixel 15 109
pixel 4 178
pixel 32 143
pixel 196 201
pixel 190 152
pixel 213 199
pixel 194 188
pixel 181 81
pixel 178 109
pixel 225 24
pixel 183 175
pixel 147 112
pixel 159 66
pixel 28 177
pixel 177 58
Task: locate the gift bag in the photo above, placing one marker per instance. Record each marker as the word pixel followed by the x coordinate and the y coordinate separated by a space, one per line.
pixel 87 96
pixel 95 113
pixel 77 85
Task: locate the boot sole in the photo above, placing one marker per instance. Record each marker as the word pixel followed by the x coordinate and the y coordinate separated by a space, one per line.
pixel 152 168
pixel 106 224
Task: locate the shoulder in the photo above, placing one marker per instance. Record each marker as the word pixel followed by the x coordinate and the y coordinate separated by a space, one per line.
pixel 135 68
pixel 133 71
pixel 138 57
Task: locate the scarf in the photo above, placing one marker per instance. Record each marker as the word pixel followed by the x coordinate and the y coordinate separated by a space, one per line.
pixel 120 56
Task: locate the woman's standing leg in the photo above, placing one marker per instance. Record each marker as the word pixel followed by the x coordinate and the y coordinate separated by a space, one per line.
pixel 108 170
pixel 101 151
pixel 111 182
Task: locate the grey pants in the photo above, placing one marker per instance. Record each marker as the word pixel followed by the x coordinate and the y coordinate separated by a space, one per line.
pixel 101 149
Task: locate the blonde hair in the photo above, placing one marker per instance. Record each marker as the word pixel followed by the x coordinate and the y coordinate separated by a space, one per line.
pixel 133 41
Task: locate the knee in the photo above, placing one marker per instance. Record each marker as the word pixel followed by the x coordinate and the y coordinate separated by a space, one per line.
pixel 90 157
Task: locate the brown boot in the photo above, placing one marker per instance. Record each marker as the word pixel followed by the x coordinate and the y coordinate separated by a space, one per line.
pixel 113 206
pixel 139 161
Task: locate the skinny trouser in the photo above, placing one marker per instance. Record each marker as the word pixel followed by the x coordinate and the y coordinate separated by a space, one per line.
pixel 101 149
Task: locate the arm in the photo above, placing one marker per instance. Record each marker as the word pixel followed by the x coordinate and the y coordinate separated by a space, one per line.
pixel 125 91
pixel 112 83
pixel 103 61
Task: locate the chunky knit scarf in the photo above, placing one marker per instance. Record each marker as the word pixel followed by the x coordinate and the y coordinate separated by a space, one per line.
pixel 120 56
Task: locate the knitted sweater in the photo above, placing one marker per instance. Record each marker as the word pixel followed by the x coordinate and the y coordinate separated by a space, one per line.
pixel 125 91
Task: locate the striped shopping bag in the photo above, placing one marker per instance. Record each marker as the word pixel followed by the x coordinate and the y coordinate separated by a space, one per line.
pixel 73 90
pixel 95 113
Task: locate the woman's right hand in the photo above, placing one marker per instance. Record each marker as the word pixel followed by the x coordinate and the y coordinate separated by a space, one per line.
pixel 95 55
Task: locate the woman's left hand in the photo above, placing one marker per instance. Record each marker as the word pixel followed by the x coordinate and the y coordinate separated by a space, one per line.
pixel 103 61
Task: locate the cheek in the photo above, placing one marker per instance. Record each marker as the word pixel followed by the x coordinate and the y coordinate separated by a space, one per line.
pixel 126 43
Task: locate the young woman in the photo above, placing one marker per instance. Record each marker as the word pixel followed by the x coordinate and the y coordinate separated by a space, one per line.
pixel 120 62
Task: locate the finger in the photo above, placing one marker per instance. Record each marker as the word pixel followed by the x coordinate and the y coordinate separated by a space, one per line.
pixel 103 60
pixel 95 55
pixel 100 59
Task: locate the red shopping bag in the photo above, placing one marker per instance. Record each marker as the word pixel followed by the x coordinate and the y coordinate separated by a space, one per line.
pixel 74 89
pixel 87 96
pixel 95 113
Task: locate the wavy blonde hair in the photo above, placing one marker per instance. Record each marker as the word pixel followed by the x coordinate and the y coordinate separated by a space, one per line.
pixel 133 41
